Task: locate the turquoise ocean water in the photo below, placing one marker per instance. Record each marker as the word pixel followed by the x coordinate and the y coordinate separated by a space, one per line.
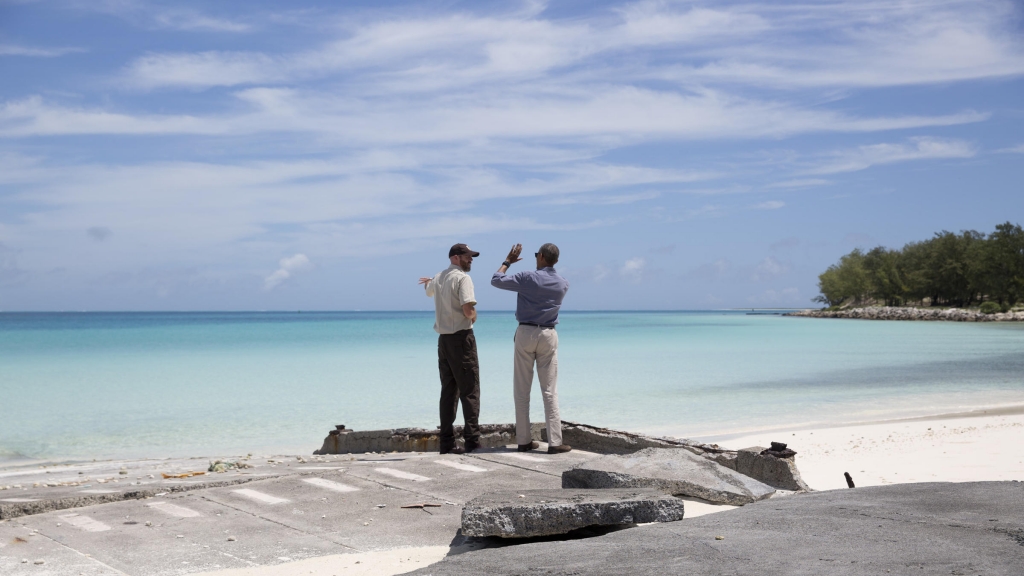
pixel 98 385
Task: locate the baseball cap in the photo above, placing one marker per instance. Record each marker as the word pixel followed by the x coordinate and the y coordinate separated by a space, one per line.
pixel 461 249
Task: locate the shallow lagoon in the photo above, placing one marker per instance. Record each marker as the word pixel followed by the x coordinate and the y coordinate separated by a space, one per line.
pixel 94 385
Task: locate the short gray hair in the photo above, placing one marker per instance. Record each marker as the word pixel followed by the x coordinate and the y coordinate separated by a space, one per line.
pixel 550 253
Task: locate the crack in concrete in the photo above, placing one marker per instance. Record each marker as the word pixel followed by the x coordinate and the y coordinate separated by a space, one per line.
pixel 279 523
pixel 83 555
pixel 514 465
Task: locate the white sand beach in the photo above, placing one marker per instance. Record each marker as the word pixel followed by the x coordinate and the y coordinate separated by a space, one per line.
pixel 963 447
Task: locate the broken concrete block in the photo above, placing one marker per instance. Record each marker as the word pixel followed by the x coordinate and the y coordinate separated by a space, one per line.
pixel 346 441
pixel 778 472
pixel 727 459
pixel 526 513
pixel 671 470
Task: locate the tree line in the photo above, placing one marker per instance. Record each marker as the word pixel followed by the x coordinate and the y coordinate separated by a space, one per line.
pixel 947 270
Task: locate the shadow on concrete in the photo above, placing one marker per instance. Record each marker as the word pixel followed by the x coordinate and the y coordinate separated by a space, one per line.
pixel 461 544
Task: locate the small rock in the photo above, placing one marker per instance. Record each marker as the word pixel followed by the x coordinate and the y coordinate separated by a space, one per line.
pixel 24 560
pixel 231 539
pixel 366 523
pixel 179 536
pixel 382 505
pixel 148 523
pixel 37 562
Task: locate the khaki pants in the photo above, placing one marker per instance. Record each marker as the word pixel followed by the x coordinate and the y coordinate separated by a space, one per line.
pixel 540 345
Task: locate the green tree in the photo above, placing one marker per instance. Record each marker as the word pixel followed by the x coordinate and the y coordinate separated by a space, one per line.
pixel 885 278
pixel 1001 264
pixel 844 281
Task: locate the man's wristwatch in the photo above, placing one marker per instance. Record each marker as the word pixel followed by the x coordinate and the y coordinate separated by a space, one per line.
pixel 506 264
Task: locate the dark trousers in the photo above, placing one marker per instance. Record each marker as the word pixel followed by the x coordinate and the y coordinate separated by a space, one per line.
pixel 460 378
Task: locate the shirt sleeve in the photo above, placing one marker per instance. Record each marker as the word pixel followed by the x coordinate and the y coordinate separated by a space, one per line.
pixel 505 281
pixel 466 294
pixel 429 287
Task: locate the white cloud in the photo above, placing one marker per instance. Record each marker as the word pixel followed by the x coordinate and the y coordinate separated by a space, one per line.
pixel 196 21
pixel 784 297
pixel 800 183
pixel 633 269
pixel 834 44
pixel 922 148
pixel 288 267
pixel 769 205
pixel 623 113
pixel 1018 149
pixel 14 50
pixel 768 269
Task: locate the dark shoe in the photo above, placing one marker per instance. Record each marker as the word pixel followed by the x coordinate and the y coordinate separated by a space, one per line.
pixel 561 449
pixel 471 446
pixel 528 447
pixel 453 450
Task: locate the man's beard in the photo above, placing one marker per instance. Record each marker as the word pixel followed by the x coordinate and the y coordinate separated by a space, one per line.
pixel 465 266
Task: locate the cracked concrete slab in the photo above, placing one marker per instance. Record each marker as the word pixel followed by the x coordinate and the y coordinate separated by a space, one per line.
pixel 934 528
pixel 529 513
pixel 672 470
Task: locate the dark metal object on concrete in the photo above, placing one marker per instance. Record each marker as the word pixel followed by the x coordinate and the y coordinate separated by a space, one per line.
pixel 934 528
pixel 529 513
pixel 849 480
pixel 673 471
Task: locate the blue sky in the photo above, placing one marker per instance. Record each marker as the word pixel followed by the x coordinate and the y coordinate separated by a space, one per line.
pixel 302 155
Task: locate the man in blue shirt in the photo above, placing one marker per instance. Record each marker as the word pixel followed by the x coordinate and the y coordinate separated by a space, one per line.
pixel 540 296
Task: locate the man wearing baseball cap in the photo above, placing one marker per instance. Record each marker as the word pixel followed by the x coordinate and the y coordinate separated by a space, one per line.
pixel 454 314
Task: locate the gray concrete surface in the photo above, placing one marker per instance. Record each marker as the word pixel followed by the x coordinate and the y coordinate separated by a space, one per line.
pixel 671 470
pixel 908 529
pixel 529 513
pixel 285 508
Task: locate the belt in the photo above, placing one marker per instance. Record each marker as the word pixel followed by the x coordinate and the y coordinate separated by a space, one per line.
pixel 537 325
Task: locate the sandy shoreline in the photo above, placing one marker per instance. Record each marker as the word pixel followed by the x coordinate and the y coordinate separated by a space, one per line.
pixel 959 447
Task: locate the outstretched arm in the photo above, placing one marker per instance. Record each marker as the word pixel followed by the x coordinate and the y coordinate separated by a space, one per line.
pixel 499 279
pixel 428 285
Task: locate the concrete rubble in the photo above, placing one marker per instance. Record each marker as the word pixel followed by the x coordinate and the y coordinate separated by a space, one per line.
pixel 782 473
pixel 343 440
pixel 935 528
pixel 384 489
pixel 673 471
pixel 528 513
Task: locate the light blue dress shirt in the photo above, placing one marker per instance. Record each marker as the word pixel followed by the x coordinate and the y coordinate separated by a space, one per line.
pixel 540 294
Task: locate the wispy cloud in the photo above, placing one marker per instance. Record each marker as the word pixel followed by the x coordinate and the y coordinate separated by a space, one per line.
pixel 771 297
pixel 192 20
pixel 768 269
pixel 800 183
pixel 835 44
pixel 769 205
pixel 14 50
pixel 922 148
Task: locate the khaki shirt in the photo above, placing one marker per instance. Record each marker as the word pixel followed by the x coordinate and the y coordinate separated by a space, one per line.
pixel 451 288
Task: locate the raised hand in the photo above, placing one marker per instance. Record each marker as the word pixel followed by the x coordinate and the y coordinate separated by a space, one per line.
pixel 425 280
pixel 513 254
